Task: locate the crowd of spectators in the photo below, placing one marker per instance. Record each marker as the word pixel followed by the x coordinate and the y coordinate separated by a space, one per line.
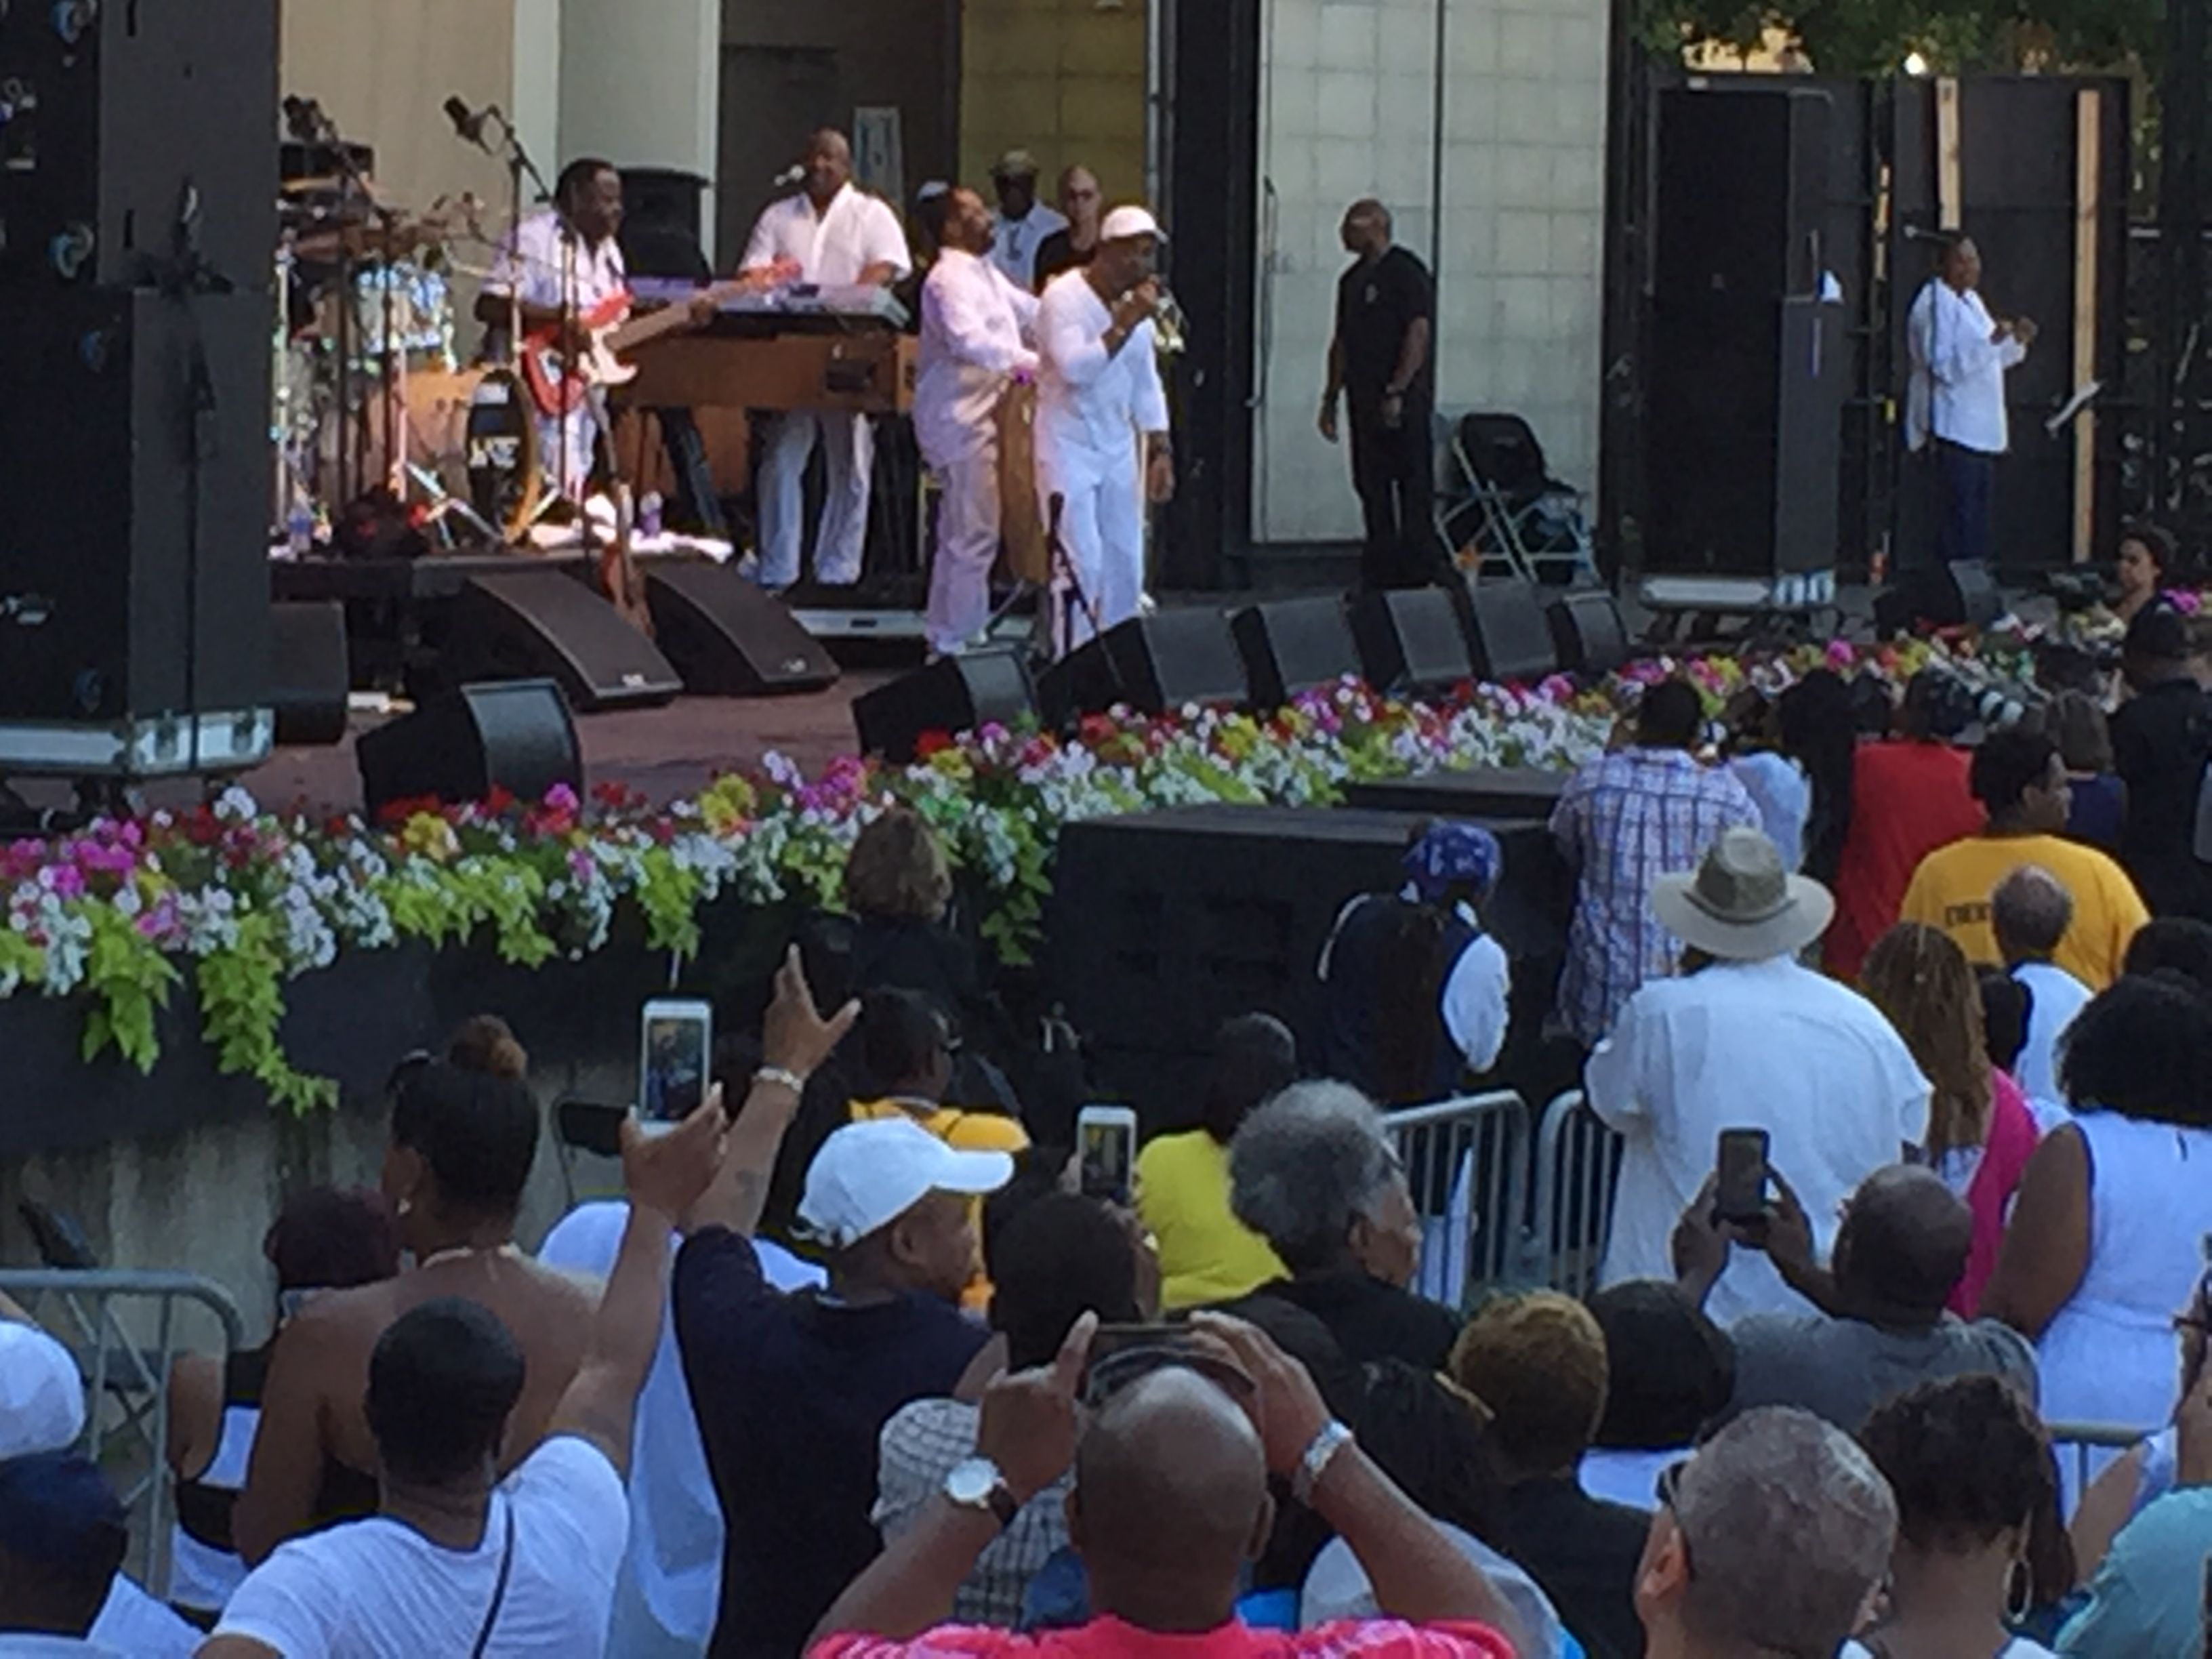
pixel 857 1366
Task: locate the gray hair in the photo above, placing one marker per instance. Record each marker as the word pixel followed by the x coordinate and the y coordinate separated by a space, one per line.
pixel 1789 1527
pixel 1307 1164
pixel 2031 910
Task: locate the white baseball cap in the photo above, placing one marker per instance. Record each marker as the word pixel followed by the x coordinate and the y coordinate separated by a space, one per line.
pixel 868 1175
pixel 41 1393
pixel 1127 221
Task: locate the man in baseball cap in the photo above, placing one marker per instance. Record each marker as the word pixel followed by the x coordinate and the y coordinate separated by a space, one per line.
pixel 1022 222
pixel 791 1392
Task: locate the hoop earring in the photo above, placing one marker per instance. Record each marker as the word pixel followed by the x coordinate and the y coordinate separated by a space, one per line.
pixel 2020 1593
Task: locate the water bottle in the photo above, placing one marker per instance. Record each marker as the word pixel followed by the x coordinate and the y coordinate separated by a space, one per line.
pixel 299 528
pixel 648 514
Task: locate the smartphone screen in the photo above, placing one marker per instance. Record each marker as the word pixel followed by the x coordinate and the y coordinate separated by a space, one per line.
pixel 1741 1192
pixel 1106 1141
pixel 675 1047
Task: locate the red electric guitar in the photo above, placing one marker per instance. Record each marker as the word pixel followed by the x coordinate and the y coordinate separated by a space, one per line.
pixel 559 386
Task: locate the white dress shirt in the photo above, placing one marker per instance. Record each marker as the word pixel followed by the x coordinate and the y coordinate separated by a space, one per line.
pixel 1089 399
pixel 1957 390
pixel 1765 1045
pixel 975 328
pixel 543 257
pixel 1015 250
pixel 832 247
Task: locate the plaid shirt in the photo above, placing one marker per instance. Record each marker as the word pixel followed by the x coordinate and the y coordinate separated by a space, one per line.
pixel 1624 820
pixel 919 1446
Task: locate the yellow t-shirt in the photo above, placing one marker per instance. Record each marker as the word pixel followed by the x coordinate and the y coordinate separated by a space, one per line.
pixel 1206 1254
pixel 1952 887
pixel 966 1132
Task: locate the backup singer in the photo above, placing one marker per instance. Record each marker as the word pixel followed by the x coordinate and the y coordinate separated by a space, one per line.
pixel 561 265
pixel 835 234
pixel 1954 408
pixel 976 329
pixel 1100 407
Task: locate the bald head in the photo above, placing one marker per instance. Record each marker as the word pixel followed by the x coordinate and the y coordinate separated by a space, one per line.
pixel 1367 228
pixel 1170 1502
pixel 829 164
pixel 2030 911
pixel 1903 1241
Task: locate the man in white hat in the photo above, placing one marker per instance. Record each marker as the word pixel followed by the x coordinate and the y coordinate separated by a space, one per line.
pixel 1101 407
pixel 791 1392
pixel 1746 1038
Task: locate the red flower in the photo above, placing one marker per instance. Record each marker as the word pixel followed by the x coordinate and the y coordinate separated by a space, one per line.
pixel 498 801
pixel 397 812
pixel 931 743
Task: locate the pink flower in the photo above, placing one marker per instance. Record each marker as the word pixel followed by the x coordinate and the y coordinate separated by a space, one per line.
pixel 1840 654
pixel 561 799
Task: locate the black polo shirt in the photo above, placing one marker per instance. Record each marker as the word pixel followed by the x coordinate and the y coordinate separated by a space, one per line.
pixel 1376 303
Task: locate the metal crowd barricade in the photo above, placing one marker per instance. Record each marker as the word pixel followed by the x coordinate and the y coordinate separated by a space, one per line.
pixel 1577 1170
pixel 1466 1165
pixel 2083 1441
pixel 126 1381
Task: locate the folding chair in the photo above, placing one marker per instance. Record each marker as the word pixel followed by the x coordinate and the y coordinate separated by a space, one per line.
pixel 1510 507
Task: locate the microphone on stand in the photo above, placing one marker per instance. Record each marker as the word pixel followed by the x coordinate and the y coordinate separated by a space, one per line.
pixel 468 122
pixel 790 176
pixel 304 120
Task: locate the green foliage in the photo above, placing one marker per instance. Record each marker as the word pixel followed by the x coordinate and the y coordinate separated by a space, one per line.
pixel 1873 37
pixel 133 979
pixel 241 988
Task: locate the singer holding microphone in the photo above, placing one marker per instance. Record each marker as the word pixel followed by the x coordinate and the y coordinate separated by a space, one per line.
pixel 1101 407
pixel 833 234
pixel 975 331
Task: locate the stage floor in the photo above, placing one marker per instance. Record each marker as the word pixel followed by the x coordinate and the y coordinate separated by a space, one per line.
pixel 666 753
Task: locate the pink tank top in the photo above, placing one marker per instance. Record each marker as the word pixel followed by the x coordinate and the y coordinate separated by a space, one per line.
pixel 2012 1139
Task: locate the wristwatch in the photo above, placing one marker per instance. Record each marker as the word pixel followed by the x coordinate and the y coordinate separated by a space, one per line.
pixel 976 1484
pixel 1332 1438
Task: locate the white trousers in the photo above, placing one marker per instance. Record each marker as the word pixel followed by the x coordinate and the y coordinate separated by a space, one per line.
pixel 576 435
pixel 848 450
pixel 1102 530
pixel 968 509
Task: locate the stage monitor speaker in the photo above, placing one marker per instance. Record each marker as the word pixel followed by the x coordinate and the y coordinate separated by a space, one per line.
pixel 726 637
pixel 515 735
pixel 1751 364
pixel 1412 639
pixel 543 623
pixel 1961 594
pixel 1588 633
pixel 133 128
pixel 1508 634
pixel 1152 664
pixel 310 677
pixel 135 469
pixel 1292 646
pixel 953 694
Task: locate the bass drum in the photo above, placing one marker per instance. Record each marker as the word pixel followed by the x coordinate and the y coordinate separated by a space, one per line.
pixel 504 479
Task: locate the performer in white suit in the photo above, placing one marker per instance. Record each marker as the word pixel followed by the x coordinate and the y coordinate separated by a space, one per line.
pixel 835 234
pixel 1102 426
pixel 975 329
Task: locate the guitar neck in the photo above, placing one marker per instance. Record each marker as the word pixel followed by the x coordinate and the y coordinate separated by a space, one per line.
pixel 669 319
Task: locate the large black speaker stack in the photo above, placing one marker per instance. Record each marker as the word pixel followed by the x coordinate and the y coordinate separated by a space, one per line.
pixel 137 200
pixel 1748 359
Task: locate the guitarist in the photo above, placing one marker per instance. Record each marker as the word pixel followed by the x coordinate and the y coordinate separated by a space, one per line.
pixel 557 268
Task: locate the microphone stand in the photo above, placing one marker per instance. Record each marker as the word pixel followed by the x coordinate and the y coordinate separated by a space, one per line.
pixel 511 150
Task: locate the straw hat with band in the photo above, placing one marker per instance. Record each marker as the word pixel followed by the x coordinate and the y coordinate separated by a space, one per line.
pixel 1741 905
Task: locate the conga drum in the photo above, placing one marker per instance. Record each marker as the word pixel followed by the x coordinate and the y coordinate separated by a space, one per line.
pixel 504 480
pixel 1022 547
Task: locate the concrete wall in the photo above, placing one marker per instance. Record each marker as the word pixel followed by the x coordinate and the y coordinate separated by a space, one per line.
pixel 200 1201
pixel 1064 79
pixel 1504 196
pixel 641 83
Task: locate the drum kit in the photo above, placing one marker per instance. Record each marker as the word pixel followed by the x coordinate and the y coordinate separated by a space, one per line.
pixel 371 393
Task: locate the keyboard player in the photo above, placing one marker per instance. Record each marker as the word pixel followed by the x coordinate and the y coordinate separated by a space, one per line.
pixel 831 233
